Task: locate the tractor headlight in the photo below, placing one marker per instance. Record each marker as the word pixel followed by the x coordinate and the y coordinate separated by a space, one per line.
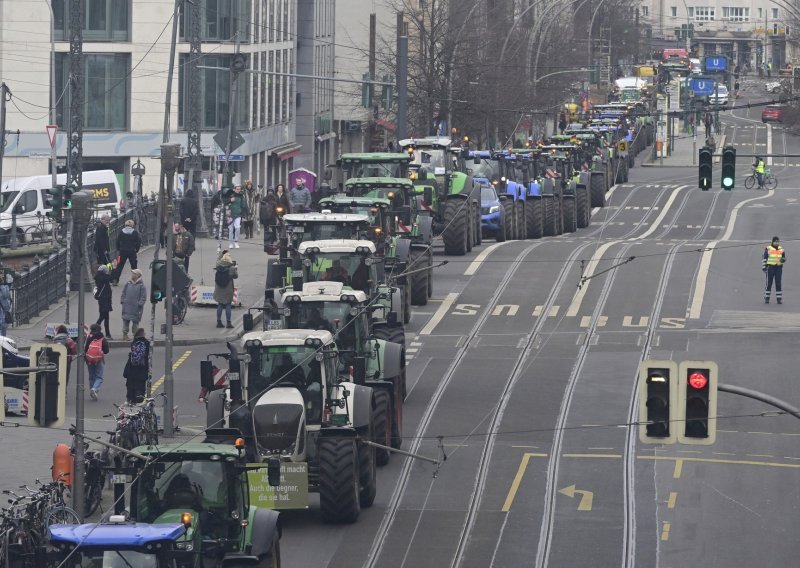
pixel 494 209
pixel 187 546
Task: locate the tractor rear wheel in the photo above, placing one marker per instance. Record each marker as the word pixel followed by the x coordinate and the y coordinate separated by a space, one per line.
pixel 382 429
pixel 418 281
pixel 582 206
pixel 339 480
pixel 478 226
pixel 522 233
pixel 500 235
pixel 469 225
pixel 406 303
pixel 368 476
pixel 598 192
pixel 570 215
pixel 397 411
pixel 559 209
pixel 550 217
pixel 509 218
pixel 429 256
pixel 533 219
pixel 393 333
pixel 455 232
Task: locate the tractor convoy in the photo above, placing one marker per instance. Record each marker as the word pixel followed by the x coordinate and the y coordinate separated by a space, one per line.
pixel 312 402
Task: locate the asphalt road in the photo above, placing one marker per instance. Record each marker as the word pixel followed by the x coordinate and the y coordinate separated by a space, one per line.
pixel 526 382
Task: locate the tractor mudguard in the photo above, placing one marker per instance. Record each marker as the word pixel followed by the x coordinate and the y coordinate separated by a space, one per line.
pixel 275 273
pixel 425 228
pixel 463 196
pixel 393 358
pixel 215 409
pixel 402 248
pixel 534 190
pixel 548 187
pixel 266 523
pixel 362 406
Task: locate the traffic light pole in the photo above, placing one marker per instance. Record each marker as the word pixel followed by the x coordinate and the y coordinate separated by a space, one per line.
pixel 760 396
pixel 78 468
pixel 68 213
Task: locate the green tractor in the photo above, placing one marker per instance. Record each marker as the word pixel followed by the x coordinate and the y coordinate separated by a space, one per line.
pixel 287 395
pixel 380 351
pixel 596 154
pixel 447 193
pixel 204 486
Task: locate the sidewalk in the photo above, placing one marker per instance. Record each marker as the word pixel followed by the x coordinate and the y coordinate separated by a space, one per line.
pixel 684 152
pixel 200 324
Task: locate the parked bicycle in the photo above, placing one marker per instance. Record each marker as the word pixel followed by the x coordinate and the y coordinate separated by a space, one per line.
pixel 770 181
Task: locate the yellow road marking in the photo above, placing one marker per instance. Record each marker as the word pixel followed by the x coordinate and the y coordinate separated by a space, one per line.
pixel 175 365
pixel 732 462
pixel 587 497
pixel 592 455
pixel 673 496
pixel 676 473
pixel 512 492
pixel 665 531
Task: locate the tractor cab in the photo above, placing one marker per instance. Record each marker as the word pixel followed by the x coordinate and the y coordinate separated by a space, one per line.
pixel 325 225
pixel 373 165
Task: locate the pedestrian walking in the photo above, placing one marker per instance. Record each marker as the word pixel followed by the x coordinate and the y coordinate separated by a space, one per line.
pixel 6 317
pixel 95 351
pixel 225 273
pixel 62 337
pixel 189 211
pixel 284 206
pixel 772 264
pixel 133 299
pixel 300 196
pixel 238 208
pixel 137 369
pixel 103 295
pixel 251 199
pixel 128 244
pixel 708 121
pixel 184 245
pixel 102 244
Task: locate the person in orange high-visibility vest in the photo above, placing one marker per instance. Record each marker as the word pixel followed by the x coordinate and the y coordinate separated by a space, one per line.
pixel 772 264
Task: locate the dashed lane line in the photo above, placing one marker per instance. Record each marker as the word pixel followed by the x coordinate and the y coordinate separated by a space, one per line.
pixel 444 307
pixel 175 365
pixel 476 264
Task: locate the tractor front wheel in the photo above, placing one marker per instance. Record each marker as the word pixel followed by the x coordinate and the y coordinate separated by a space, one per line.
pixel 418 278
pixel 598 192
pixel 339 492
pixel 582 206
pixel 455 232
pixel 533 219
pixel 381 416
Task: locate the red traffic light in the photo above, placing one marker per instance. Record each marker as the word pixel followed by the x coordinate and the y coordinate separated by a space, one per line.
pixel 698 380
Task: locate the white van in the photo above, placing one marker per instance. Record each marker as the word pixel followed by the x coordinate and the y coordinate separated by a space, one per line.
pixel 26 198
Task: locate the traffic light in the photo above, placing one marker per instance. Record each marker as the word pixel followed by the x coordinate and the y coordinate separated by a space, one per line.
pixel 706 168
pixel 728 167
pixel 47 390
pixel 158 280
pixel 697 401
pixel 657 401
pixel 54 201
pixel 66 198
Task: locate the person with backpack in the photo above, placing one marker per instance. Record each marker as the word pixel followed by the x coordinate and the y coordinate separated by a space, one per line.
pixel 184 245
pixel 133 299
pixel 225 273
pixel 102 281
pixel 137 368
pixel 95 351
pixel 62 337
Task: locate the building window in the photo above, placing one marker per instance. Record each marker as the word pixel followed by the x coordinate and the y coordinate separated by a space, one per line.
pixel 703 13
pixel 271 89
pixel 673 11
pixel 262 93
pixel 271 23
pixel 736 14
pixel 214 94
pixel 103 20
pixel 220 20
pixel 644 11
pixel 774 13
pixel 106 93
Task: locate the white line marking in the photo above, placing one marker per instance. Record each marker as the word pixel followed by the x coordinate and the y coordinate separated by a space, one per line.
pixel 769 144
pixel 476 264
pixel 440 313
pixel 609 193
pixel 575 306
pixel 657 223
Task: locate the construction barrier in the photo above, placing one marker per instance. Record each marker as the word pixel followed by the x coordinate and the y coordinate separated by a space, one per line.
pixel 204 296
pixel 72 329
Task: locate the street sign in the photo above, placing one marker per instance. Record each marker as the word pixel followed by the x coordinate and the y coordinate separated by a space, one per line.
pixel 52 129
pixel 233 158
pixel 221 138
pixel 718 63
pixel 702 87
pixel 622 147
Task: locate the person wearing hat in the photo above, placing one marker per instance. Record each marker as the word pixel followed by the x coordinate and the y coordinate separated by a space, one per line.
pixel 772 264
pixel 102 282
pixel 225 273
pixel 128 244
pixel 133 299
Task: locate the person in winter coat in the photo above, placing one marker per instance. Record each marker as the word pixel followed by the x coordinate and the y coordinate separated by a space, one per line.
pixel 128 244
pixel 5 307
pixel 62 337
pixel 95 350
pixel 137 369
pixel 102 280
pixel 238 208
pixel 283 200
pixel 251 199
pixel 133 299
pixel 102 244
pixel 226 273
pixel 184 245
pixel 300 197
pixel 190 211
pixel 267 215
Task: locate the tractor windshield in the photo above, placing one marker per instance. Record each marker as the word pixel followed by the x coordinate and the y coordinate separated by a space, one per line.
pixel 348 268
pixel 295 364
pixel 486 169
pixel 199 485
pixel 433 159
pixel 322 231
pixel 336 317
pixel 88 558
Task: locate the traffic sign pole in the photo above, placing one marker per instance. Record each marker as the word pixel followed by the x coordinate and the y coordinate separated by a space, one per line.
pixel 52 130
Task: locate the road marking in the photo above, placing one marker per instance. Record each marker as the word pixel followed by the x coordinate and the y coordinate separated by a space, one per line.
pixel 673 496
pixel 609 193
pixel 627 321
pixel 476 264
pixel 657 223
pixel 587 320
pixel 676 473
pixel 175 365
pixel 724 461
pixel 537 311
pixel 769 144
pixel 665 531
pixel 587 497
pixel 523 465
pixel 575 306
pixel 601 456
pixel 499 308
pixel 440 313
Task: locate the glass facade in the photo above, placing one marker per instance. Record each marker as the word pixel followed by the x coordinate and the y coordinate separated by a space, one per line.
pixel 103 20
pixel 215 94
pixel 106 90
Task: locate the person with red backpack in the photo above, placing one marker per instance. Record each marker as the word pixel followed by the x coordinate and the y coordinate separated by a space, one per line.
pixel 95 354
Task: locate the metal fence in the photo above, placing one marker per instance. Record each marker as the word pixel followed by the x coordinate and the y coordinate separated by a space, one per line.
pixel 44 282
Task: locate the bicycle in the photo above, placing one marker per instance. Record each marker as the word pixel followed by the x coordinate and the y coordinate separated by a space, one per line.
pixel 770 181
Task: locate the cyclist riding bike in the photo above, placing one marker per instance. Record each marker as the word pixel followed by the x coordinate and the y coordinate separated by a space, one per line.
pixel 759 169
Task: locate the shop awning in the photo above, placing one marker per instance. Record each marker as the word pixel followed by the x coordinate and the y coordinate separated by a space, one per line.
pixel 386 124
pixel 286 151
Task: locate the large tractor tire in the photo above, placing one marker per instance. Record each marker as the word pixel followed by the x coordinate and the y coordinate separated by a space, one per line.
pixel 570 215
pixel 368 475
pixel 621 169
pixel 521 231
pixel 550 224
pixel 393 333
pixel 470 225
pixel 510 219
pixel 455 233
pixel 406 303
pixel 430 272
pixel 382 424
pixel 582 206
pixel 478 226
pixel 534 221
pixel 626 172
pixel 631 161
pixel 500 235
pixel 418 281
pixel 598 192
pixel 339 492
pixel 397 414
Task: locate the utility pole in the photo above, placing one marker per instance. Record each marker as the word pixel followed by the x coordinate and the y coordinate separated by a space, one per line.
pixel 170 157
pixel 75 140
pixel 4 96
pixel 402 88
pixel 194 161
pixel 370 86
pixel 237 66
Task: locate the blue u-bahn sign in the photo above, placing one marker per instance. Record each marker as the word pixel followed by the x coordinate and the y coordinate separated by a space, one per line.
pixel 702 87
pixel 716 63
